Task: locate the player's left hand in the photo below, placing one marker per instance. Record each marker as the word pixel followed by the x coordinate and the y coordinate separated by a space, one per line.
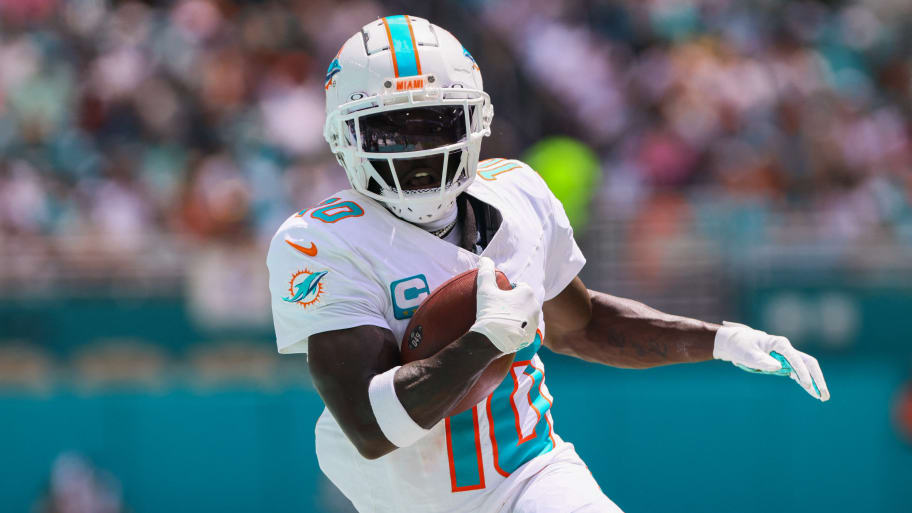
pixel 758 351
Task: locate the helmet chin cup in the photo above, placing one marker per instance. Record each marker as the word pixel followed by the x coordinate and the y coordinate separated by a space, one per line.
pixel 421 212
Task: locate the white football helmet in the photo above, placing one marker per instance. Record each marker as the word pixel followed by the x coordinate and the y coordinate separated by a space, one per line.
pixel 400 89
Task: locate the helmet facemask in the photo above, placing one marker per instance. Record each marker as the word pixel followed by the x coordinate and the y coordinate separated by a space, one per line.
pixel 415 151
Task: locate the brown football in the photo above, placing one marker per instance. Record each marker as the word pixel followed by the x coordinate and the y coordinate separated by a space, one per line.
pixel 444 316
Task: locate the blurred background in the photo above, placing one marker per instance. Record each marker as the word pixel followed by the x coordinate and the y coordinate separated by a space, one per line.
pixel 743 160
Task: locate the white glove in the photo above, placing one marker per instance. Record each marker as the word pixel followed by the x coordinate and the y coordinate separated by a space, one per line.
pixel 508 318
pixel 758 351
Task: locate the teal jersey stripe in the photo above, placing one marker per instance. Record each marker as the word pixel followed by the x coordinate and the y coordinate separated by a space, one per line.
pixel 406 54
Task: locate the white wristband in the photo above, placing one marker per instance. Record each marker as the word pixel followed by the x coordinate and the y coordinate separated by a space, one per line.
pixel 396 424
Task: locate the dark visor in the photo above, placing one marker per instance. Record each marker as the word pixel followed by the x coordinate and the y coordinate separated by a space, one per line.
pixel 421 128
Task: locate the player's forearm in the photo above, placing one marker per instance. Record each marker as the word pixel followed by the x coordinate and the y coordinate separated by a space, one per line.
pixel 625 333
pixel 429 388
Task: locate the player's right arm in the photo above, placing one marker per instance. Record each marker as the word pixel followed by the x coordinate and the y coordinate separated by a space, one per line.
pixel 343 363
pixel 325 303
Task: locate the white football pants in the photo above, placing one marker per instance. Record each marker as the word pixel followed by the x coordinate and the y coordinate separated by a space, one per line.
pixel 564 486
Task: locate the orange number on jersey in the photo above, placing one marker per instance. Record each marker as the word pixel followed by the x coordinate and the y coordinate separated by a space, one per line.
pixel 332 210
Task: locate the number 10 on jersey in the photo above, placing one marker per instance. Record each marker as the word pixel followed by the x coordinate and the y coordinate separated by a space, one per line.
pixel 519 425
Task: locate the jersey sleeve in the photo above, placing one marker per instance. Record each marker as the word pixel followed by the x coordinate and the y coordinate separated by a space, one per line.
pixel 563 258
pixel 330 290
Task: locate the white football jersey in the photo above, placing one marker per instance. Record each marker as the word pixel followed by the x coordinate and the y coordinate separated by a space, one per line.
pixel 349 262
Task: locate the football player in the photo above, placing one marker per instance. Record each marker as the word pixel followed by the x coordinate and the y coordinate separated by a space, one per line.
pixel 405 115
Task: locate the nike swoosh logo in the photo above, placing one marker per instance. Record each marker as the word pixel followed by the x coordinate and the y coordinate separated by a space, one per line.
pixel 311 251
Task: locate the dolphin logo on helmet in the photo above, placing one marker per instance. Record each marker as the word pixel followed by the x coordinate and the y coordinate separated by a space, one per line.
pixel 334 67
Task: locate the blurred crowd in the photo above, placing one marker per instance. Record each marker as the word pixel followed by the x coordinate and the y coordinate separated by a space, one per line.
pixel 128 127
pixel 744 127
